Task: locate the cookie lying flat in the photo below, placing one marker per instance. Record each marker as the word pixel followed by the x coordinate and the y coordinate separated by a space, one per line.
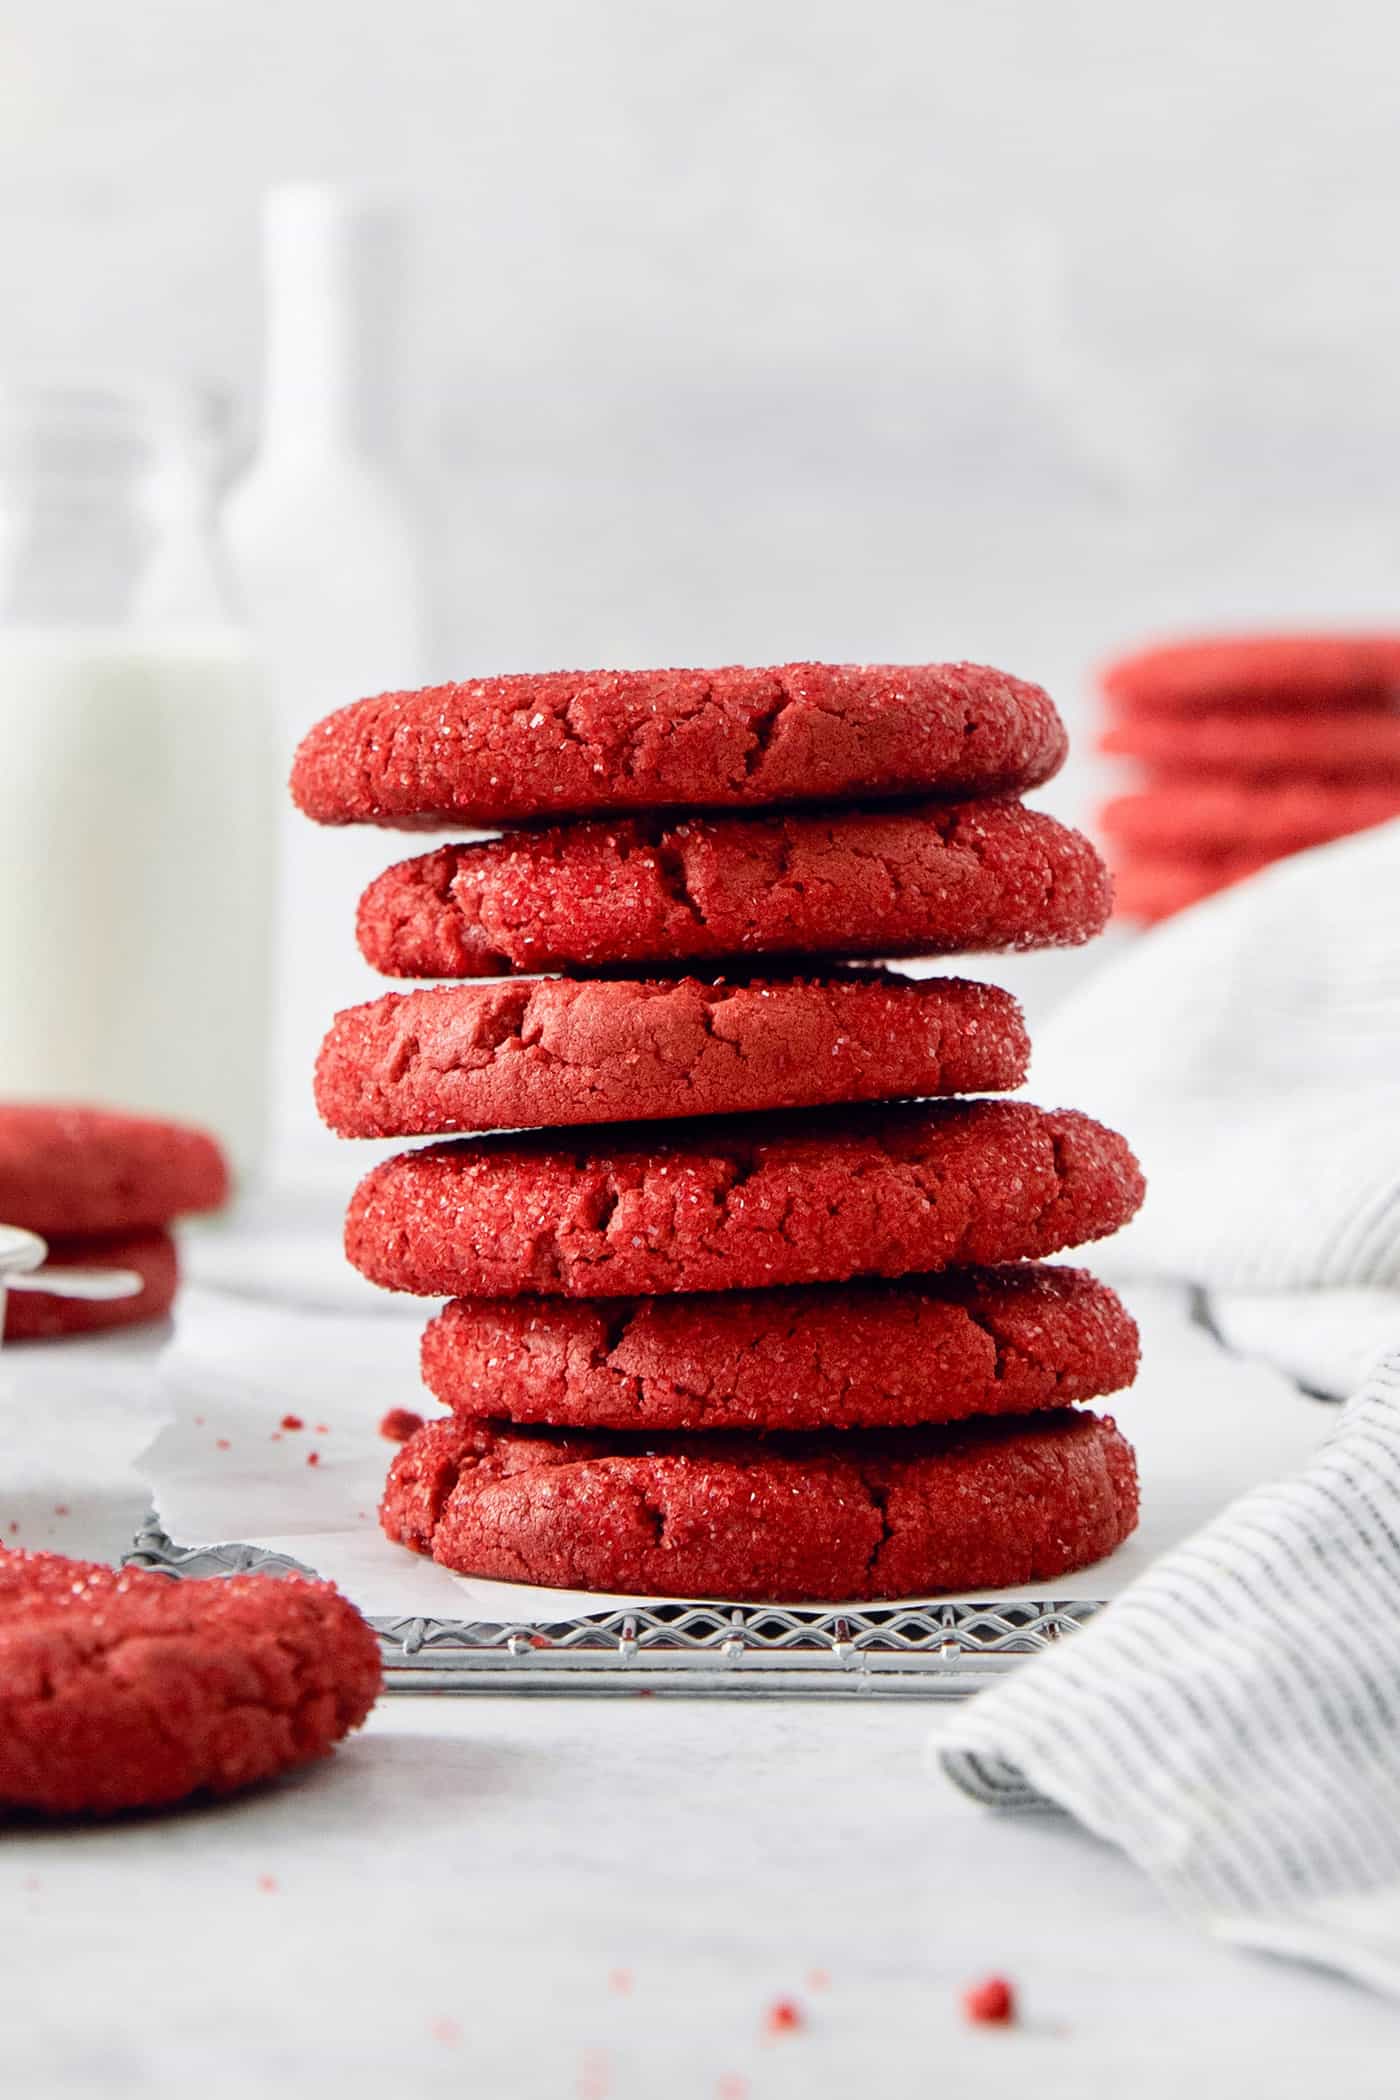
pixel 1337 749
pixel 854 1516
pixel 928 880
pixel 1298 672
pixel 1221 821
pixel 127 1690
pixel 931 1349
pixel 66 1169
pixel 39 1316
pixel 741 1205
pixel 555 1052
pixel 1150 888
pixel 580 743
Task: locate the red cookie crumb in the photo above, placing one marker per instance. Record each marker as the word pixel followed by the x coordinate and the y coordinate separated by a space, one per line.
pixel 931 879
pixel 399 1424
pixel 68 1170
pixel 122 1689
pixel 545 1054
pixel 990 2003
pixel 659 1208
pixel 579 743
pixel 845 1515
pixel 783 2016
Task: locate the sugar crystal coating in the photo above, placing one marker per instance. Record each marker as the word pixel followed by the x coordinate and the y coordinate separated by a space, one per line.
pixel 580 743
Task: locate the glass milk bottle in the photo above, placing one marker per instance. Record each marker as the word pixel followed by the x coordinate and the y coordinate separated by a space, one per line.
pixel 137 772
pixel 325 555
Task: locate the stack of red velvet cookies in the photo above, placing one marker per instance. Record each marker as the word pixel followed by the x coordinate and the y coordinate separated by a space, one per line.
pixel 749 1310
pixel 1250 749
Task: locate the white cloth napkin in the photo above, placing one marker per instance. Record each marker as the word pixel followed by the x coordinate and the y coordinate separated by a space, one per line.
pixel 1233 1720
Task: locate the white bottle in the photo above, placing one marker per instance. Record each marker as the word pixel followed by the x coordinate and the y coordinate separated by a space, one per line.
pixel 327 565
pixel 137 828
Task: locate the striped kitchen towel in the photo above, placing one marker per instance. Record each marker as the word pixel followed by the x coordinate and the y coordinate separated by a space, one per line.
pixel 1233 1719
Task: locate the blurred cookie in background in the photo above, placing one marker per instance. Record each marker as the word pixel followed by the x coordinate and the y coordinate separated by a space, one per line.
pixel 1246 749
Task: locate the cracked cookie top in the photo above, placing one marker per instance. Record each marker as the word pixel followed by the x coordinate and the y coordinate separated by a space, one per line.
pixel 546 1053
pixel 931 879
pixel 855 1515
pixel 581 743
pixel 817 1197
pixel 121 1689
pixel 848 1356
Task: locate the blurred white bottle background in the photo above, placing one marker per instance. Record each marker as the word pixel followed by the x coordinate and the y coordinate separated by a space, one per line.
pixel 328 567
pixel 137 835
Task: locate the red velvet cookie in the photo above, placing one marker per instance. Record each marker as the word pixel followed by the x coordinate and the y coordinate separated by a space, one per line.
pixel 1273 748
pixel 743 1205
pixel 903 1513
pixel 931 1349
pixel 1224 821
pixel 127 1690
pixel 1301 673
pixel 39 1315
pixel 915 881
pixel 66 1170
pixel 580 743
pixel 1151 888
pixel 553 1052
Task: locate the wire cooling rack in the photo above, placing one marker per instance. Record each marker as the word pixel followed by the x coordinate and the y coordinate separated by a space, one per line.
pixel 928 1651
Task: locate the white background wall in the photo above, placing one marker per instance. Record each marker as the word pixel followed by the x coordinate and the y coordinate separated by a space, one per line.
pixel 745 328
pixel 760 328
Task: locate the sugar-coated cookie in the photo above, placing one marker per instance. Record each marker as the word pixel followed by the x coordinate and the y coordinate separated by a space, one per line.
pixel 834 1356
pixel 924 880
pixel 860 1515
pixel 1298 672
pixel 42 1316
pixel 580 743
pixel 743 1204
pixel 121 1689
pixel 66 1169
pixel 551 1052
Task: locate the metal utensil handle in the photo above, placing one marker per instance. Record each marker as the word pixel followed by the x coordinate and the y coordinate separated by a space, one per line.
pixel 98 1285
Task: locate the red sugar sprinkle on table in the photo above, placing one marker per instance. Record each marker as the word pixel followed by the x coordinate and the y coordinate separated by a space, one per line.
pixel 221 1443
pixel 60 1509
pixel 292 1422
pixel 784 2017
pixel 991 2003
pixel 268 1884
pixel 313 1458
